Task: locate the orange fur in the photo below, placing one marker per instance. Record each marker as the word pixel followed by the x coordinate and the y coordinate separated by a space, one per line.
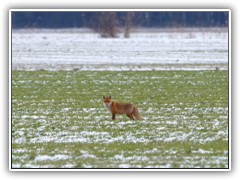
pixel 121 108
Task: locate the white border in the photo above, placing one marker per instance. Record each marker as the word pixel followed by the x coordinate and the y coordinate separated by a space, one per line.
pixel 229 89
pixel 10 90
pixel 118 10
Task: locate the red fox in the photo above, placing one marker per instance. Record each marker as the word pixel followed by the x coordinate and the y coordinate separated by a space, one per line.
pixel 121 108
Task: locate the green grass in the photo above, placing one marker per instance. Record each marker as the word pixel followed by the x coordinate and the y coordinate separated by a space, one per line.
pixel 58 120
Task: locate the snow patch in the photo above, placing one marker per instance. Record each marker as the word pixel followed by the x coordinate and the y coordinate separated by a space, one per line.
pixel 143 51
pixel 51 158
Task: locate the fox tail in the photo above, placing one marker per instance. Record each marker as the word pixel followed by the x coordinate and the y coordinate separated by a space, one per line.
pixel 136 114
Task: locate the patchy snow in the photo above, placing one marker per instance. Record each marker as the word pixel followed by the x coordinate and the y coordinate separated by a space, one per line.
pixel 66 50
pixel 85 154
pixel 170 139
pixel 202 151
pixel 41 127
pixel 124 166
pixel 68 166
pixel 51 158
pixel 119 157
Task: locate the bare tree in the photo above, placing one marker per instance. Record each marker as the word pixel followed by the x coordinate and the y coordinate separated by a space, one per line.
pixel 106 24
pixel 128 23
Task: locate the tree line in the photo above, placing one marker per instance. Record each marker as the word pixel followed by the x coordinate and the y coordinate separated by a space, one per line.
pixel 106 22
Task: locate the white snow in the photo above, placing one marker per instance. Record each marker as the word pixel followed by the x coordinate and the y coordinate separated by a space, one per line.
pixel 85 154
pixel 124 166
pixel 119 157
pixel 51 158
pixel 202 151
pixel 69 50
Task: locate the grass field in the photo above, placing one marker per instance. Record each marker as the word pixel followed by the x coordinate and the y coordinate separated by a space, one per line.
pixel 58 119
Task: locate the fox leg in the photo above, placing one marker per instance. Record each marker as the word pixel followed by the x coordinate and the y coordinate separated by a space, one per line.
pixel 130 116
pixel 113 116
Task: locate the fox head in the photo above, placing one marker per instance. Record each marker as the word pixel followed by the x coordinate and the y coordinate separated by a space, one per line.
pixel 107 100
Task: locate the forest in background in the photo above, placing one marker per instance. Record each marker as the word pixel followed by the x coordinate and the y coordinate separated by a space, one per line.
pixel 41 19
pixel 107 24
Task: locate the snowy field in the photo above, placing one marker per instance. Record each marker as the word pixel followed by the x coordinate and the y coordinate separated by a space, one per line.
pixel 76 49
pixel 58 119
pixel 59 78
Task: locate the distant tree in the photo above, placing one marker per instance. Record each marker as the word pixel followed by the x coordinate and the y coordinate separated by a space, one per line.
pixel 128 23
pixel 106 24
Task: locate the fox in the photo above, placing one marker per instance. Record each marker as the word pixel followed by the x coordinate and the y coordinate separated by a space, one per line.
pixel 121 108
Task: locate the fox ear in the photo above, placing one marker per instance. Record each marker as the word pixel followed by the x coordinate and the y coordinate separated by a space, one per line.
pixel 103 97
pixel 110 97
